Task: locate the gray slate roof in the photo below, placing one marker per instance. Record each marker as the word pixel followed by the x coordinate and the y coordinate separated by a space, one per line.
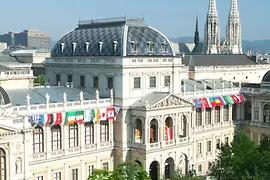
pixel 219 60
pixel 37 94
pixel 108 32
pixel 152 98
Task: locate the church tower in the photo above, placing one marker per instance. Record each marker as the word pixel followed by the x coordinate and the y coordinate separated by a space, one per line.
pixel 196 36
pixel 233 30
pixel 212 30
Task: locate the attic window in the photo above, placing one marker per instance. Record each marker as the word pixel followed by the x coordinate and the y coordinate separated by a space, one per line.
pixel 134 46
pixel 100 44
pixel 150 47
pixel 74 47
pixel 165 47
pixel 86 47
pixel 62 47
pixel 115 43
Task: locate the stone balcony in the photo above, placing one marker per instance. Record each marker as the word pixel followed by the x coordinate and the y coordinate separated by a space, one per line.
pixel 16 74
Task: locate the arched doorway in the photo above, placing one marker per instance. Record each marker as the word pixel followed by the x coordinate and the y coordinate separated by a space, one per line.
pixel 168 129
pixel 153 131
pixel 138 131
pixel 154 170
pixel 139 162
pixel 169 168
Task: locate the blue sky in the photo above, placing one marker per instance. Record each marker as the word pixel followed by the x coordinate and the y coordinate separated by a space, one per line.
pixel 174 18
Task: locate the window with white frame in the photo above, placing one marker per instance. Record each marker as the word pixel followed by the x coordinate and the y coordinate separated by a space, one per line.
pixel 217 114
pixel 95 82
pixel 208 116
pixel 199 150
pixel 167 81
pixel 110 82
pixel 137 83
pixel 105 166
pixel 218 144
pixel 150 47
pixel 56 137
pixel 89 133
pixel 90 169
pixel 39 178
pixel 226 140
pixel 57 176
pixel 73 135
pixel 198 117
pixel 104 131
pixel 134 46
pixel 208 146
pixel 153 82
pixel 74 174
pixel 3 164
pixel 38 140
pixel 199 168
pixel 226 113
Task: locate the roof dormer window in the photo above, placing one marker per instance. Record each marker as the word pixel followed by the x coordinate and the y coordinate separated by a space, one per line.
pixel 100 44
pixel 115 43
pixel 150 47
pixel 134 46
pixel 62 47
pixel 86 47
pixel 74 47
pixel 165 47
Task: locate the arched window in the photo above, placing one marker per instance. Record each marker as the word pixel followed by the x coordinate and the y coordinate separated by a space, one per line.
pixel 198 117
pixel 73 135
pixel 247 110
pixel 104 131
pixel 56 137
pixel 3 165
pixel 168 129
pixel 153 131
pixel 38 140
pixel 89 133
pixel 138 131
pixel 266 113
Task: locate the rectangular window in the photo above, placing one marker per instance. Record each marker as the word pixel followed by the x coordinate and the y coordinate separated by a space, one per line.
pixel 137 83
pixel 58 78
pixel 89 133
pixel 90 170
pixel 208 147
pixel 70 78
pixel 198 117
pixel 153 82
pixel 199 148
pixel 39 178
pixel 95 82
pixel 200 168
pixel 104 131
pixel 217 115
pixel 82 81
pixel 167 81
pixel 226 113
pixel 226 140
pixel 208 116
pixel 74 175
pixel 110 83
pixel 57 176
pixel 218 144
pixel 105 166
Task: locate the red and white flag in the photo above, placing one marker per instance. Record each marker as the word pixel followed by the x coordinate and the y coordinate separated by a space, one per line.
pixel 168 134
pixel 110 113
pixel 103 114
pixel 58 118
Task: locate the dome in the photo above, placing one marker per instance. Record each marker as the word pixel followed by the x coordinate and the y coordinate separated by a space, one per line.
pixel 4 97
pixel 113 37
pixel 266 77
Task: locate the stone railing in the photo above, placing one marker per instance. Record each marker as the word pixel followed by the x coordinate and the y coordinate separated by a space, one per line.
pixel 16 74
pixel 249 90
pixel 209 93
pixel 221 68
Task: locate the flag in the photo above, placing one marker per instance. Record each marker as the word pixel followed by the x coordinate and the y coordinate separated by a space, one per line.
pixel 197 104
pixel 230 99
pixel 93 115
pixel 241 97
pixel 103 115
pixel 36 119
pixel 217 101
pixel 87 116
pixel 110 113
pixel 212 101
pixel 70 118
pixel 207 103
pixel 235 98
pixel 222 100
pixel 79 116
pixel 97 115
pixel 201 102
pixel 48 119
pixel 168 132
pixel 58 118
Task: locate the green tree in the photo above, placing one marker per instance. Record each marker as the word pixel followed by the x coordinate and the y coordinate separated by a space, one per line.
pixel 41 79
pixel 100 174
pixel 242 160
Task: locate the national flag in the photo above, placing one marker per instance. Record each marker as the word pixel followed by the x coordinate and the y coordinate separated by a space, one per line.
pixel 70 118
pixel 36 119
pixel 103 114
pixel 207 102
pixel 230 99
pixel 79 116
pixel 97 113
pixel 217 101
pixel 242 98
pixel 48 119
pixel 110 113
pixel 197 104
pixel 212 101
pixel 87 116
pixel 222 100
pixel 201 102
pixel 168 132
pixel 235 98
pixel 116 112
pixel 93 115
pixel 58 118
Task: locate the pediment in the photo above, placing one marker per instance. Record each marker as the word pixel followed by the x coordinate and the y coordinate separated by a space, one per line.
pixel 6 129
pixel 171 100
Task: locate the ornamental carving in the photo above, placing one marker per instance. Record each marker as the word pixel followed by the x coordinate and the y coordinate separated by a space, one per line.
pixel 170 102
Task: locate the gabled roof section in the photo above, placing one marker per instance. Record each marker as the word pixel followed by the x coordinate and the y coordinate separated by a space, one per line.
pixel 7 129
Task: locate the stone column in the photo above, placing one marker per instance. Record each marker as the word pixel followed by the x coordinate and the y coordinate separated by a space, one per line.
pixel 259 138
pixel 82 170
pixel 49 172
pixel 65 144
pixel 161 130
pixel 66 171
pixel 230 114
pixel 97 138
pixel 221 115
pixel 146 132
pixel 213 145
pixel 203 117
pixel 195 147
pixel 251 135
pixel 238 111
pixel 81 137
pixel 111 133
pixel 204 148
pixel 47 140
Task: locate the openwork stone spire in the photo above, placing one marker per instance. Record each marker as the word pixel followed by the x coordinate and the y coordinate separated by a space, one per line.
pixel 233 30
pixel 212 30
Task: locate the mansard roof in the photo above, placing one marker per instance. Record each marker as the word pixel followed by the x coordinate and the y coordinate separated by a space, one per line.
pixel 112 37
pixel 219 60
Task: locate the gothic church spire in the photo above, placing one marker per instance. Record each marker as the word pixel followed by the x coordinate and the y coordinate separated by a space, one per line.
pixel 196 36
pixel 212 30
pixel 233 30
